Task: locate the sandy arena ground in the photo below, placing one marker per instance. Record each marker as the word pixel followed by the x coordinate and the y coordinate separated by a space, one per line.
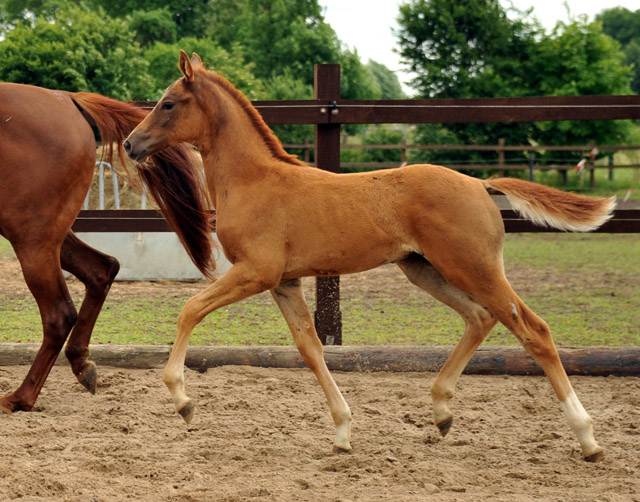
pixel 266 434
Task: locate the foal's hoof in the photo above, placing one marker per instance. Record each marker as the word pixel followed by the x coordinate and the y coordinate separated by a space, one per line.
pixel 338 449
pixel 595 457
pixel 445 426
pixel 186 412
pixel 88 377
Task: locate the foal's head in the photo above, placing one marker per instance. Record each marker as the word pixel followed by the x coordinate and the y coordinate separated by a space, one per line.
pixel 178 117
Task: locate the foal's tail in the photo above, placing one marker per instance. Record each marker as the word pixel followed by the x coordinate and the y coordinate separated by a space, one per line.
pixel 171 175
pixel 547 206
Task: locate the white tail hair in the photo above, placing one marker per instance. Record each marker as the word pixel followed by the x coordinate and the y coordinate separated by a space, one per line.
pixel 547 206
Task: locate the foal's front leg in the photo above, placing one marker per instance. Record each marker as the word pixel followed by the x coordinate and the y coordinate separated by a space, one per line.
pixel 238 283
pixel 290 299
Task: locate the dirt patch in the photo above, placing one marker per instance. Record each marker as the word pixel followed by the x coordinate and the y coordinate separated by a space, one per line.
pixel 387 280
pixel 266 434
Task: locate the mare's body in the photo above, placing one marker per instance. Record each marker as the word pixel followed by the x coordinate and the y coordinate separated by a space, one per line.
pixel 47 159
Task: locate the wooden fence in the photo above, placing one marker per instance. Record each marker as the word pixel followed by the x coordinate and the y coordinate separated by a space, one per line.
pixel 328 113
pixel 527 162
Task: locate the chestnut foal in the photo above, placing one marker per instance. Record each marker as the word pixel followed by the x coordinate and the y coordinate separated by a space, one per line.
pixel 278 221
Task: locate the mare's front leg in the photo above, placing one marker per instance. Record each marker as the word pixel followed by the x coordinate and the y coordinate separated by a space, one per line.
pixel 97 272
pixel 290 299
pixel 240 282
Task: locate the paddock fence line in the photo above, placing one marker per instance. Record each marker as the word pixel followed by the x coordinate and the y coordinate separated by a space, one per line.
pixel 328 112
pixel 585 159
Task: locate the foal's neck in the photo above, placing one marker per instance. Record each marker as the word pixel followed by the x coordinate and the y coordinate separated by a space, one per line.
pixel 242 145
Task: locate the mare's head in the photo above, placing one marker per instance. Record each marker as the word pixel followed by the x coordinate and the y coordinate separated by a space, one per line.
pixel 178 117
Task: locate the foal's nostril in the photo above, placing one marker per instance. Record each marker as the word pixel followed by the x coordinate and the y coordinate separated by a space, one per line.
pixel 127 146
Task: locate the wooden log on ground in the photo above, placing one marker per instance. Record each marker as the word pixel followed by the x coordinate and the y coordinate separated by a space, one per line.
pixel 595 361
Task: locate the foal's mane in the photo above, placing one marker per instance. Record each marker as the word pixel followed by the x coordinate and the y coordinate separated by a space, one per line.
pixel 270 139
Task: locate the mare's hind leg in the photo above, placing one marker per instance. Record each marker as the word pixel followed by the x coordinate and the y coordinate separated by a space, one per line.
pixel 478 323
pixel 41 269
pixel 97 272
pixel 289 297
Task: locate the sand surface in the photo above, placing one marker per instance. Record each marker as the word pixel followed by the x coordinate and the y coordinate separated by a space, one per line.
pixel 266 434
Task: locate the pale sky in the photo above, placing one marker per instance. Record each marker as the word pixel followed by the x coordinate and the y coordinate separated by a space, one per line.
pixel 367 25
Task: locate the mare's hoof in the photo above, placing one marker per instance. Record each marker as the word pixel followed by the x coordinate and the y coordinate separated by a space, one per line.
pixel 445 426
pixel 5 407
pixel 186 412
pixel 338 449
pixel 89 377
pixel 596 457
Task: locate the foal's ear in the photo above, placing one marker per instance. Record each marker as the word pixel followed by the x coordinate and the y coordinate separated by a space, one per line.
pixel 185 66
pixel 195 60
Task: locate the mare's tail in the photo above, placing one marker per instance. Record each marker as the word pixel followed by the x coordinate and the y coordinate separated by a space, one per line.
pixel 547 206
pixel 171 176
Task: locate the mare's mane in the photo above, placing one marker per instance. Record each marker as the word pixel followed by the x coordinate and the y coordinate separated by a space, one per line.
pixel 270 139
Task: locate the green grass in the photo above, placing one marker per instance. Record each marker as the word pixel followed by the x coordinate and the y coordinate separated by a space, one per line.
pixel 6 251
pixel 584 286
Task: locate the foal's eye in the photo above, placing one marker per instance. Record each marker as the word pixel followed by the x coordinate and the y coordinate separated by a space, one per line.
pixel 167 106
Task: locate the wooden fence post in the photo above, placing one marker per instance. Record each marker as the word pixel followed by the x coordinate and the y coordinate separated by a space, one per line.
pixel 532 164
pixel 592 167
pixel 328 317
pixel 307 151
pixel 611 167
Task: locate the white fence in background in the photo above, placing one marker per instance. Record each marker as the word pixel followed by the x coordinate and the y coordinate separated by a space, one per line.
pixel 147 256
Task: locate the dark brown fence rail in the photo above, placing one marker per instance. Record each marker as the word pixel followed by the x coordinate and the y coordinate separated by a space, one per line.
pixel 328 112
pixel 149 220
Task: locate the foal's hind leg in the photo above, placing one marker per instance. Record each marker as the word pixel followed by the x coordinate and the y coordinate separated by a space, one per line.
pixel 97 272
pixel 535 336
pixel 478 323
pixel 493 290
pixel 289 297
pixel 41 269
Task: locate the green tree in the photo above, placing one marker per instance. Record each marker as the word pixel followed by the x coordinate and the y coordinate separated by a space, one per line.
pixel 292 34
pixel 387 80
pixel 153 26
pixel 190 17
pixel 623 25
pixel 473 49
pixel 78 50
pixel 579 60
pixel 462 50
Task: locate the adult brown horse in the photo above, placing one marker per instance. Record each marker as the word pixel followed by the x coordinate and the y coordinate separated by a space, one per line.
pixel 278 221
pixel 47 158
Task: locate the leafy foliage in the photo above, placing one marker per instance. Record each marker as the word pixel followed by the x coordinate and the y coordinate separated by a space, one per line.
pixel 388 82
pixel 623 25
pixel 473 49
pixel 76 49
